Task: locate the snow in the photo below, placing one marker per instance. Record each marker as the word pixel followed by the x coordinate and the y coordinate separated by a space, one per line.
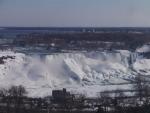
pixel 85 72
pixel 145 48
pixel 142 66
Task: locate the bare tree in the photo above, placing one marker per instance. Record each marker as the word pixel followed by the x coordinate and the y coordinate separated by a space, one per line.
pixel 118 101
pixel 4 92
pixel 142 88
pixel 6 99
pixel 105 100
pixel 17 91
pixel 17 94
pixel 119 95
pixel 146 93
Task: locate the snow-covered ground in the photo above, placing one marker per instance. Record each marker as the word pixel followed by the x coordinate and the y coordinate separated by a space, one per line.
pixel 84 72
pixel 144 48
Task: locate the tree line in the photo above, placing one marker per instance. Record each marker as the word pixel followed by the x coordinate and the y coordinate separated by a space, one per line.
pixel 134 100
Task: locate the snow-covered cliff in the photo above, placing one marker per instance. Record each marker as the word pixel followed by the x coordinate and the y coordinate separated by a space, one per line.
pixel 77 71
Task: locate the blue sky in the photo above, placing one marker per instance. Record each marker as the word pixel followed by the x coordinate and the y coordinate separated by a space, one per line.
pixel 69 13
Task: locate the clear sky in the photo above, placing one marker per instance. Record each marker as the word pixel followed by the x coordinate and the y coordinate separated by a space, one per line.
pixel 77 13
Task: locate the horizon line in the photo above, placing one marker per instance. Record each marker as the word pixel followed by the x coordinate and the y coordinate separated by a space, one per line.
pixel 74 27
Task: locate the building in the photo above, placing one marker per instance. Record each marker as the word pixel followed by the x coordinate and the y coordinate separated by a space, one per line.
pixel 62 96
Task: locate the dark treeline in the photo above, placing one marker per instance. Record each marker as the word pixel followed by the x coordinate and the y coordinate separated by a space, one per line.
pixel 14 100
pixel 87 40
pixel 77 41
pixel 135 100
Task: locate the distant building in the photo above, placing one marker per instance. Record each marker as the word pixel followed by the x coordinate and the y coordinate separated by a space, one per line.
pixel 62 96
